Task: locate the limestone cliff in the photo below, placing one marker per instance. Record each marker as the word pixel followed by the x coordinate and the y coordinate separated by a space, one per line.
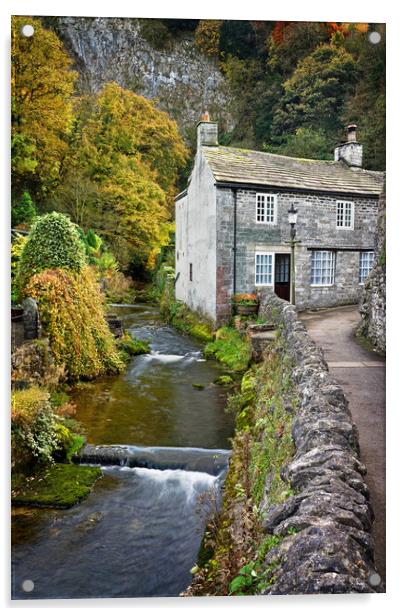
pixel 181 79
pixel 373 304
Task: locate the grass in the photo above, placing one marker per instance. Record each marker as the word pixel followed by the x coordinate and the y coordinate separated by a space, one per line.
pixel 189 322
pixel 231 349
pixel 235 542
pixel 59 485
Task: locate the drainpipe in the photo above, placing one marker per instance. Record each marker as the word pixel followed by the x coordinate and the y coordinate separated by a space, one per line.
pixel 234 191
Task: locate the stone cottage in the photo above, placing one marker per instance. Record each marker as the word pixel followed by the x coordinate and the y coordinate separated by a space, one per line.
pixel 232 229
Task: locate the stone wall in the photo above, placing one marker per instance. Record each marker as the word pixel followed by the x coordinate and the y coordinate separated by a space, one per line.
pixel 316 228
pixel 373 303
pixel 328 547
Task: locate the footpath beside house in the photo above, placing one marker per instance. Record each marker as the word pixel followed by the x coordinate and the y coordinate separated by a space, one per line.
pixel 232 229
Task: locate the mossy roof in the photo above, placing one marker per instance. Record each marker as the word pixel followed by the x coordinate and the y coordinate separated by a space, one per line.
pixel 233 165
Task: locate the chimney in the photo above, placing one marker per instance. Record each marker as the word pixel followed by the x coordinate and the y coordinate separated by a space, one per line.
pixel 207 131
pixel 350 152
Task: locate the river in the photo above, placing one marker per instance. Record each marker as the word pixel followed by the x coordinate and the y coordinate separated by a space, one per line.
pixel 139 531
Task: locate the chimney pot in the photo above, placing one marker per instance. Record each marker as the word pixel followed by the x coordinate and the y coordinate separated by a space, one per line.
pixel 207 131
pixel 352 132
pixel 350 152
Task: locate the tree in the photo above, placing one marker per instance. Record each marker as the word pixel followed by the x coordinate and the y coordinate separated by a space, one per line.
pixel 23 210
pixel 130 154
pixel 41 87
pixel 316 92
pixel 306 143
pixel 366 105
pixel 53 242
pixel 71 308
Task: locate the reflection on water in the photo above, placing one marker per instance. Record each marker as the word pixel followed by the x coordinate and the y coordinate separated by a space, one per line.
pixel 139 531
pixel 154 402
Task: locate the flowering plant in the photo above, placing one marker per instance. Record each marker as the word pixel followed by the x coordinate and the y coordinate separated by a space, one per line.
pixel 245 299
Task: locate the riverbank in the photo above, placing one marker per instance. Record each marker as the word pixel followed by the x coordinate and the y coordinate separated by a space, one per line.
pixel 167 471
pixel 232 556
pixel 296 517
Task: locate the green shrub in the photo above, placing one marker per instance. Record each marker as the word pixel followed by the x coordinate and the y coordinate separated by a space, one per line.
pixel 54 242
pixel 230 349
pixel 119 289
pixel 68 443
pixel 23 210
pixel 17 247
pixel 33 427
pixel 72 315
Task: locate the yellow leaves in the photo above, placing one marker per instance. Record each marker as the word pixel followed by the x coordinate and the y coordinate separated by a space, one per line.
pixel 207 36
pixel 71 310
pixel 133 153
pixel 42 86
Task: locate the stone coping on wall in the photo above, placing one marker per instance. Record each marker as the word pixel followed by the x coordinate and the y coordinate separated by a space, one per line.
pixel 327 523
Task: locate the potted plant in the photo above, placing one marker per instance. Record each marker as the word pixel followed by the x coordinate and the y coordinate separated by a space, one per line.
pixel 245 303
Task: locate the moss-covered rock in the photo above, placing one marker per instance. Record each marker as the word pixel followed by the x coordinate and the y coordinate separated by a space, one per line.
pixel 223 379
pixel 130 345
pixel 60 486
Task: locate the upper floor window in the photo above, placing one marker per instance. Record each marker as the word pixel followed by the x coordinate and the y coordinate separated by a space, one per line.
pixel 264 265
pixel 265 208
pixel 322 267
pixel 345 214
pixel 366 265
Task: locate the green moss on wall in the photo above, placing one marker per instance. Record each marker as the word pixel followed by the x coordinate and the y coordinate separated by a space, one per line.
pixel 234 541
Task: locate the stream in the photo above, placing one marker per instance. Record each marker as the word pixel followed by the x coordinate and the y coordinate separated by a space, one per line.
pixel 163 446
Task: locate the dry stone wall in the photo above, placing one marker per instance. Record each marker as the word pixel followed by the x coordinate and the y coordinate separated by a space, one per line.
pixel 326 524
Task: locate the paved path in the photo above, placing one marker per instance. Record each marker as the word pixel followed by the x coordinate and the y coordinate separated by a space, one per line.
pixel 362 376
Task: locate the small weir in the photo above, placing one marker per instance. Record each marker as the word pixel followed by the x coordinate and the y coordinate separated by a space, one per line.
pixel 139 531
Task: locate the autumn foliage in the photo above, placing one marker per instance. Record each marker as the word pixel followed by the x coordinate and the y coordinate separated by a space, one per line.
pixel 129 154
pixel 42 85
pixel 72 317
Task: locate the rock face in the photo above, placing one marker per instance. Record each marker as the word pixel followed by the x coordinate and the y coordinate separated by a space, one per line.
pixel 373 304
pixel 326 524
pixel 182 80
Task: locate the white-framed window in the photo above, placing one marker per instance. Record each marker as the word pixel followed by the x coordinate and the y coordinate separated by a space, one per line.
pixel 322 268
pixel 366 265
pixel 265 208
pixel 345 215
pixel 264 268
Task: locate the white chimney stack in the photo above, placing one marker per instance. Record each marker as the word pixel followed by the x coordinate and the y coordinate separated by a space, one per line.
pixel 350 152
pixel 207 131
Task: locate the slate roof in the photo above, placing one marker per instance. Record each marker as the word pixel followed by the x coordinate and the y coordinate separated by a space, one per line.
pixel 233 165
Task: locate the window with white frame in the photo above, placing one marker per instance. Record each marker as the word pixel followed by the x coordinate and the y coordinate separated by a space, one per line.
pixel 366 265
pixel 264 265
pixel 265 208
pixel 345 214
pixel 322 267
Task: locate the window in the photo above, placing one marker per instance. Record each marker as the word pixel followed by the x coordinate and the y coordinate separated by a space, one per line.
pixel 322 267
pixel 282 263
pixel 191 272
pixel 264 268
pixel 366 265
pixel 265 208
pixel 345 214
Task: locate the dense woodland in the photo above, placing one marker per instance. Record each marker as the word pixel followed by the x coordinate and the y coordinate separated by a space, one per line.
pixel 112 161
